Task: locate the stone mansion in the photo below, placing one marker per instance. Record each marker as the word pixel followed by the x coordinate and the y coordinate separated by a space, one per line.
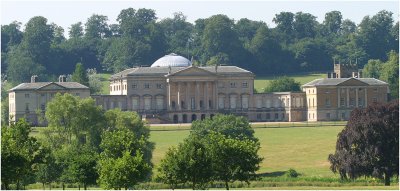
pixel 172 90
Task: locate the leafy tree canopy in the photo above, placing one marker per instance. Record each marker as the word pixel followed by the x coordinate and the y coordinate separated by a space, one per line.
pixel 282 84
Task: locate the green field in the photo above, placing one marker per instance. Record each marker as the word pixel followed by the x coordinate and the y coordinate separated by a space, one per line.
pixel 262 81
pixel 304 149
pixel 283 146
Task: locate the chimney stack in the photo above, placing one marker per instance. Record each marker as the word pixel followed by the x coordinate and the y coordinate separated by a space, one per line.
pixel 62 78
pixel 34 78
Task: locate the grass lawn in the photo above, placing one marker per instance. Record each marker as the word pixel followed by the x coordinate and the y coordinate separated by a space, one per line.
pixel 304 149
pixel 261 82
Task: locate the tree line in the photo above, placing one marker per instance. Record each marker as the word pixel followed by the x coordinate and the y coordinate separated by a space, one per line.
pixel 297 43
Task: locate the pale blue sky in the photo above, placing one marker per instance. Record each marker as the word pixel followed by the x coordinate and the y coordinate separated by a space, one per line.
pixel 65 13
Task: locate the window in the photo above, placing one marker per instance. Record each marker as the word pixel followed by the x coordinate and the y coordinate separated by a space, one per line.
pixel 259 116
pixel 173 104
pixel 43 107
pixel 52 95
pixel 328 115
pixel 276 116
pixel 26 95
pixel 210 104
pixel 183 105
pixel 134 86
pixel 313 116
pixel 343 115
pixel 342 101
pixel 283 116
pixel 135 103
pixel 375 89
pixel 233 84
pixel 159 86
pixel 77 94
pixel 27 107
pixel 268 116
pixel 327 102
pixel 125 86
pixel 201 104
pixel 352 102
pixel 374 99
pixel 233 101
pixel 360 102
pixel 221 104
pixel 146 86
pixel 192 103
pixel 245 84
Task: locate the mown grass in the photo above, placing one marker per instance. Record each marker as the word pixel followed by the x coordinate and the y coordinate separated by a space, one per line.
pixel 262 81
pixel 304 149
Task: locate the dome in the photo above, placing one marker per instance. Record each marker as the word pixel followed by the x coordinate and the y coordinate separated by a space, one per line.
pixel 172 60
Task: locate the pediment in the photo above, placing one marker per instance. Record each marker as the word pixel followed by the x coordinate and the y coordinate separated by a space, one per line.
pixel 52 86
pixel 192 71
pixel 353 82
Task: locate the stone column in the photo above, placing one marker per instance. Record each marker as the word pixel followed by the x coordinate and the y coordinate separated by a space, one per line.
pixel 206 95
pixel 169 95
pixel 179 96
pixel 356 97
pixel 197 96
pixel 187 104
pixel 348 97
pixel 215 94
pixel 338 98
pixel 365 97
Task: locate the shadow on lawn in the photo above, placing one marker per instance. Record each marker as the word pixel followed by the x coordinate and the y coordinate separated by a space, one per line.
pixel 272 174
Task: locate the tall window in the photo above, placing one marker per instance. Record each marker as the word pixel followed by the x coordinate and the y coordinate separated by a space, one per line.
pixel 147 103
pixel 192 103
pixel 135 103
pixel 221 103
pixel 26 95
pixel 27 107
pixel 341 101
pixel 146 86
pixel 134 86
pixel 233 85
pixel 245 84
pixel 159 86
pixel 352 102
pixel 232 101
pixel 327 102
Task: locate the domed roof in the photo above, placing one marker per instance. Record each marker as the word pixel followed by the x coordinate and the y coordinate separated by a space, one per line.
pixel 172 60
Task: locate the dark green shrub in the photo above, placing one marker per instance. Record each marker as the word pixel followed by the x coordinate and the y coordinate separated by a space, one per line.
pixel 291 173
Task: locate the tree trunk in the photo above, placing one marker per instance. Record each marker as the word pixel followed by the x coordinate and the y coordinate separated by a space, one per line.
pixel 63 186
pixel 84 186
pixel 79 187
pixel 387 179
pixel 50 186
pixel 43 186
pixel 226 185
pixel 18 185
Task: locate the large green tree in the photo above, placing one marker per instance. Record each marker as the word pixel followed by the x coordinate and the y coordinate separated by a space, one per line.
pixel 19 154
pixel 283 84
pixel 125 159
pixel 390 73
pixel 80 75
pixel 233 159
pixel 74 120
pixel 369 144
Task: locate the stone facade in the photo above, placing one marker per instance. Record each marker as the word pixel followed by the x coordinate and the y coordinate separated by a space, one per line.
pixel 26 99
pixel 333 99
pixel 183 94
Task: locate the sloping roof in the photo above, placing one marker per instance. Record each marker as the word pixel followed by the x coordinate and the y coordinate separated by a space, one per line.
pixel 162 71
pixel 337 81
pixel 38 85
